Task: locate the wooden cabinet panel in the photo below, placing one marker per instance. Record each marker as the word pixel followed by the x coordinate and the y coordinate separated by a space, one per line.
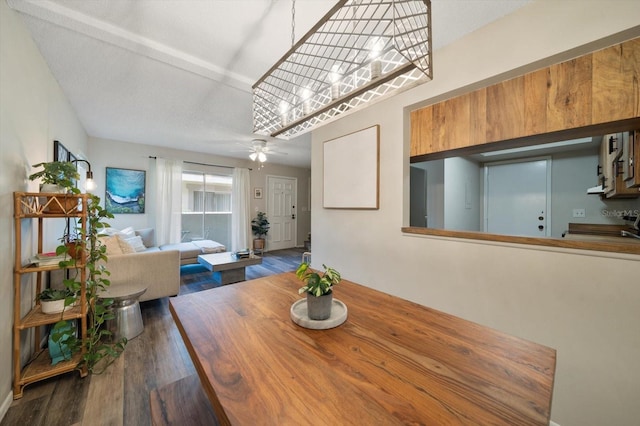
pixel 569 97
pixel 505 110
pixel 439 125
pixel 535 102
pixel 422 131
pixel 593 89
pixel 457 125
pixel 616 73
pixel 478 117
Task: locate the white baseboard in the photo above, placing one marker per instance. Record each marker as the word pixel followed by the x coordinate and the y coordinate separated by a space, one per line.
pixel 552 423
pixel 6 403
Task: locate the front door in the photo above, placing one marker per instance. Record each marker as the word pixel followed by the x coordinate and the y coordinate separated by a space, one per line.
pixel 281 212
pixel 517 198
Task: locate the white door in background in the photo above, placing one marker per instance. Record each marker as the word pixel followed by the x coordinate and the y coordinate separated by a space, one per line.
pixel 281 212
pixel 517 199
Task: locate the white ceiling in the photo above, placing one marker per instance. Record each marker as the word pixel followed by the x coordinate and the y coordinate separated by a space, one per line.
pixel 178 73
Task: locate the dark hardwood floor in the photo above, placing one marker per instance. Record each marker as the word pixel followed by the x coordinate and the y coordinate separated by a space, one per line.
pixel 156 358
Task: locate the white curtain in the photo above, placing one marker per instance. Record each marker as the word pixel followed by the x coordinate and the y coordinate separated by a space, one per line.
pixel 168 201
pixel 240 210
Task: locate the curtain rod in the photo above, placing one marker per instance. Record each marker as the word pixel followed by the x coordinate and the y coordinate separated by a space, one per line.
pixel 204 164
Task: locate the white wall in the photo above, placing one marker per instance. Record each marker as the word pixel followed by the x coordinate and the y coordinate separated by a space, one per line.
pixel 109 153
pixel 584 304
pixel 33 113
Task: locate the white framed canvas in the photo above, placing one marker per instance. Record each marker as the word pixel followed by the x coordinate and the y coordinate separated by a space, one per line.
pixel 351 170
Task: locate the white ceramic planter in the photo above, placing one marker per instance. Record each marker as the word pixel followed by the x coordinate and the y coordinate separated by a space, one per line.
pixel 52 306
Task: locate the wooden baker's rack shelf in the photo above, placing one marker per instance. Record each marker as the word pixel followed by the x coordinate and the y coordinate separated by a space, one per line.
pixel 31 211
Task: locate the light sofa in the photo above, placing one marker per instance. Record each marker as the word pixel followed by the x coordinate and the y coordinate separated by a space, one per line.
pixel 143 264
pixel 190 251
pixel 157 270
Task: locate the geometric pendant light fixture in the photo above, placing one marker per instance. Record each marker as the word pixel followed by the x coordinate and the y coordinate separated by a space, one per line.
pixel 360 51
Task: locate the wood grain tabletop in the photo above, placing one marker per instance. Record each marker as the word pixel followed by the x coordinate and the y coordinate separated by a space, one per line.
pixel 391 362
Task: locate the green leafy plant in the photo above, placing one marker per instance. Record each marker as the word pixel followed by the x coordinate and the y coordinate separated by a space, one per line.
pixel 98 352
pixel 50 294
pixel 260 225
pixel 317 283
pixel 61 173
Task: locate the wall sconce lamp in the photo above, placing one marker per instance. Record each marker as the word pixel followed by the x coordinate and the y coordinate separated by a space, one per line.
pixel 89 184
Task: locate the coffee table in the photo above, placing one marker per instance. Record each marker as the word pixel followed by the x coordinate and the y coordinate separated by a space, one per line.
pixel 226 268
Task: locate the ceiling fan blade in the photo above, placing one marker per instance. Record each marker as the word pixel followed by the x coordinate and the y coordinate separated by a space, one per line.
pixel 270 152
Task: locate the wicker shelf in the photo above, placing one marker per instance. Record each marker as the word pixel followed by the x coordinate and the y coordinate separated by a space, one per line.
pixel 40 368
pixel 36 317
pixel 41 204
pixel 32 210
pixel 32 267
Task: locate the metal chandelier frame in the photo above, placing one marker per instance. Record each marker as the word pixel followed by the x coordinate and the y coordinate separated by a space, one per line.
pixel 358 52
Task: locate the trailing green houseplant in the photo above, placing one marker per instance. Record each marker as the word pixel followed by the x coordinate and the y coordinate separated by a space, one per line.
pixel 99 353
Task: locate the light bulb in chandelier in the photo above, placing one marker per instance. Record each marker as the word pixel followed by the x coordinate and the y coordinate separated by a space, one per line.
pixel 375 50
pixel 284 112
pixel 262 157
pixel 334 79
pixel 305 95
pixel 253 156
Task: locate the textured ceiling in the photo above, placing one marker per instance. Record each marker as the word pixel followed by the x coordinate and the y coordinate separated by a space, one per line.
pixel 178 73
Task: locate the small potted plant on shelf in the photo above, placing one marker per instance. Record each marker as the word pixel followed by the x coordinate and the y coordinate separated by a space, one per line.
pixel 58 177
pixel 72 240
pixel 260 228
pixel 54 301
pixel 319 289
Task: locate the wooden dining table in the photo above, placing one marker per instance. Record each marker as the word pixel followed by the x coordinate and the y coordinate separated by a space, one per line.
pixel 391 362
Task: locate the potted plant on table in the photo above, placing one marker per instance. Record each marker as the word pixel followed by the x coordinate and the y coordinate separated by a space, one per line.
pixel 260 228
pixel 319 289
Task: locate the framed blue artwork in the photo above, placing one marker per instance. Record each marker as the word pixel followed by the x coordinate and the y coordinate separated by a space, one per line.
pixel 124 190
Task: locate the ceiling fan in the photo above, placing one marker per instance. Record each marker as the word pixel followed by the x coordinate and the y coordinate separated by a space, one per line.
pixel 259 150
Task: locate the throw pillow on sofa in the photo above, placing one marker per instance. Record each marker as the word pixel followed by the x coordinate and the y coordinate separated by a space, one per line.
pixel 136 243
pixel 147 235
pixel 112 244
